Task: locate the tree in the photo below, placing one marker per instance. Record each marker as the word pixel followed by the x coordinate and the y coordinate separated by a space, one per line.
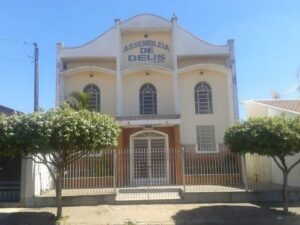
pixel 78 100
pixel 277 137
pixel 57 138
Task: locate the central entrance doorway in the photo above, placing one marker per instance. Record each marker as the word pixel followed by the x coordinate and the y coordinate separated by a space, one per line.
pixel 149 160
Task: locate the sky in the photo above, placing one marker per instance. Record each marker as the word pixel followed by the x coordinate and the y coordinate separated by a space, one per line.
pixel 266 34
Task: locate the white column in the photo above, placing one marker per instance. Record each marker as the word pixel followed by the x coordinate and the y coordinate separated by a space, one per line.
pixel 236 105
pixel 230 97
pixel 175 69
pixel 27 188
pixel 234 81
pixel 119 74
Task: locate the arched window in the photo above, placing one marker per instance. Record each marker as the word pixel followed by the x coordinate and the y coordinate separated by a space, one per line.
pixel 148 103
pixel 94 101
pixel 203 98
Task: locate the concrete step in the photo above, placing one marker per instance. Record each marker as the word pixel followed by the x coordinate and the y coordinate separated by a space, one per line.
pixel 142 194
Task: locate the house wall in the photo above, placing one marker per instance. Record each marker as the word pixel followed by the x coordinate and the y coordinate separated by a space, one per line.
pixel 192 60
pixel 105 63
pixel 259 169
pixel 222 105
pixel 294 176
pixel 278 112
pixel 256 110
pixel 170 131
pixel 106 84
pixel 164 90
pixel 135 36
pixel 43 180
pixel 266 167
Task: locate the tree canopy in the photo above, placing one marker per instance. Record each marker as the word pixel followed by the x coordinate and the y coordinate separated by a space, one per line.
pixel 277 137
pixel 79 100
pixel 57 131
pixel 57 138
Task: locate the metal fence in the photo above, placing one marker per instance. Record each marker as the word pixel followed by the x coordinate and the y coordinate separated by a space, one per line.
pixel 163 169
pixel 10 175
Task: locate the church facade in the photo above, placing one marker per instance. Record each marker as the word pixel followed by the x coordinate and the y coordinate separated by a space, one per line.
pixel 167 89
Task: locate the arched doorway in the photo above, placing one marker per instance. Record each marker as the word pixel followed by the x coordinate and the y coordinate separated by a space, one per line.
pixel 149 158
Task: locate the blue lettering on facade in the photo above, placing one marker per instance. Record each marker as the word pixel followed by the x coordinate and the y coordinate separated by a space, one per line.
pixel 146 43
pixel 147 57
pixel 146 50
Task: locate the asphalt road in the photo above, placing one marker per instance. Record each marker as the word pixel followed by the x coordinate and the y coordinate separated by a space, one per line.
pixel 178 214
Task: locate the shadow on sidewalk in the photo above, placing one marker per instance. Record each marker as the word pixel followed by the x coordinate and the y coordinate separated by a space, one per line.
pixel 27 218
pixel 235 215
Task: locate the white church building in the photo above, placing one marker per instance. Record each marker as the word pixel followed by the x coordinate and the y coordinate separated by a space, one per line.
pixel 166 87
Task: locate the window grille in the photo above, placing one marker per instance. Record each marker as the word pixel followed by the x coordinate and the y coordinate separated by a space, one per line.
pixel 148 101
pixel 94 101
pixel 206 141
pixel 203 98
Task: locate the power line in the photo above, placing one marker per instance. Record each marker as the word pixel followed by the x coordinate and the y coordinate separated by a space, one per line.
pixel 24 43
pixel 14 60
pixel 29 56
pixel 15 40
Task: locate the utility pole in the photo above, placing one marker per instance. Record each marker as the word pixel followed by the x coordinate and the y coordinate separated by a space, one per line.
pixel 36 77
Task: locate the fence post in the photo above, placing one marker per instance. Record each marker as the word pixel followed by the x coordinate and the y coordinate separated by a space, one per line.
pixel 115 170
pixel 183 168
pixel 244 172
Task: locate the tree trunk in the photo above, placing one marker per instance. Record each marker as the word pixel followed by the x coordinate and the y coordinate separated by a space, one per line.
pixel 285 191
pixel 58 189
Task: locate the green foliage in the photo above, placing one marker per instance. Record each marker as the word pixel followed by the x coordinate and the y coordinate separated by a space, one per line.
pixel 57 138
pixel 7 137
pixel 277 136
pixel 78 101
pixel 61 130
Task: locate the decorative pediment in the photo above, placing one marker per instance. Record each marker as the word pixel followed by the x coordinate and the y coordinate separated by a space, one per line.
pixel 192 45
pixel 145 21
pixel 103 46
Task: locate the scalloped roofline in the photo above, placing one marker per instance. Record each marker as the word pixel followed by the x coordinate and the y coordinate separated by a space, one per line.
pixel 206 42
pixel 147 14
pixel 89 42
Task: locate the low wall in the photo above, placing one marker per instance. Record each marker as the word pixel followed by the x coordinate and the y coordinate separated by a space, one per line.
pixel 214 179
pixel 88 182
pixel 187 197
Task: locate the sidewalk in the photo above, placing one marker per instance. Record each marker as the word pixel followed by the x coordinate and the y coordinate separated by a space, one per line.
pixel 225 214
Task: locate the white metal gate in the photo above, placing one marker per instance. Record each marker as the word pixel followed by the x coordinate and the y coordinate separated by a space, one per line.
pixel 149 158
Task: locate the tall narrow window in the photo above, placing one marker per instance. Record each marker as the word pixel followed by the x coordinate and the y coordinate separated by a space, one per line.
pixel 148 103
pixel 206 139
pixel 94 101
pixel 203 98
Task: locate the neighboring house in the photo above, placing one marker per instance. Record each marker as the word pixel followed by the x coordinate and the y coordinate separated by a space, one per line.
pixel 270 108
pixel 166 88
pixel 273 107
pixel 10 170
pixel 8 111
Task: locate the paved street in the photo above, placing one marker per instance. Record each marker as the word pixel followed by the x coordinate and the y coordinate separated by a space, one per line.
pixel 212 214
